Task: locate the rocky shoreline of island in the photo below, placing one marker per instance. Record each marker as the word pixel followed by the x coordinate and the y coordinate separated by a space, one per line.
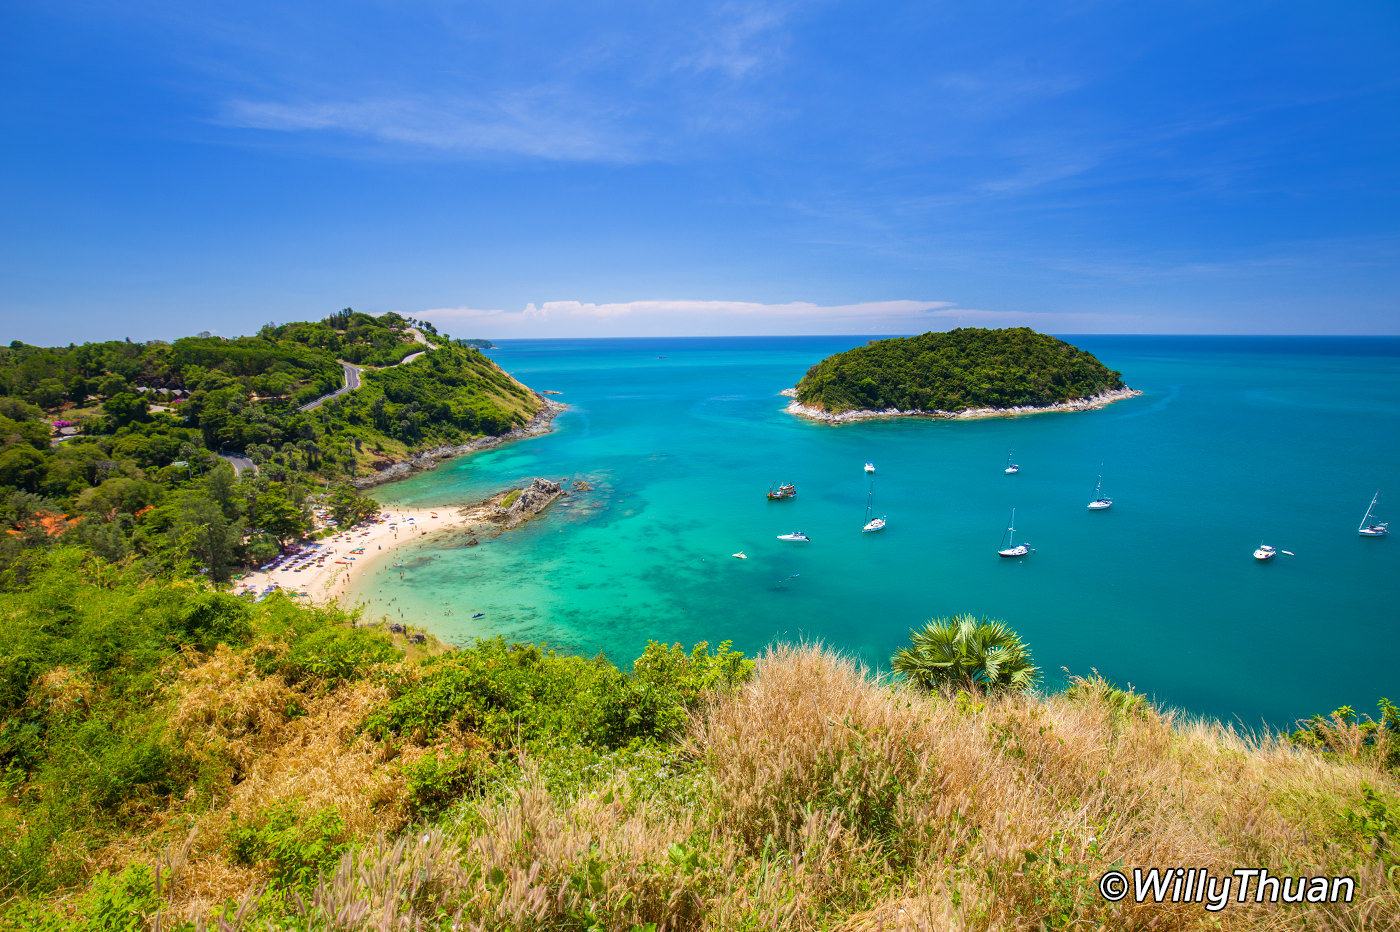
pixel 1075 404
pixel 541 423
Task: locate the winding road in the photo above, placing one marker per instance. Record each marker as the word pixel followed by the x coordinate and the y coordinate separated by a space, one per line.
pixel 352 373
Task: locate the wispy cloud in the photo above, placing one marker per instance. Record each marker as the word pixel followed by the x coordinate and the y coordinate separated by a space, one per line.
pixel 539 122
pixel 673 82
pixel 741 40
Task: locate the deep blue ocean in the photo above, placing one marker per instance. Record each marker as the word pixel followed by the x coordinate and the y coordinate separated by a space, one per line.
pixel 1236 441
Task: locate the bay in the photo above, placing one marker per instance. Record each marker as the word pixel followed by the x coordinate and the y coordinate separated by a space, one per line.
pixel 1236 440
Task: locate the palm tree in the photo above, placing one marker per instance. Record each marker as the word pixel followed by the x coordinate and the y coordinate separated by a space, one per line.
pixel 966 652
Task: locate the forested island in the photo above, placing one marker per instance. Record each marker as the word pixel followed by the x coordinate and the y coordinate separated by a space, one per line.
pixel 956 373
pixel 208 453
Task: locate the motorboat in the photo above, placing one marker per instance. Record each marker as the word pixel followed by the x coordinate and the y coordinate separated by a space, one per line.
pixel 1265 553
pixel 795 535
pixel 776 493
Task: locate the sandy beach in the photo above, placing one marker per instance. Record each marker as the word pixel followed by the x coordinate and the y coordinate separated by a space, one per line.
pixel 1078 404
pixel 323 570
pixel 323 573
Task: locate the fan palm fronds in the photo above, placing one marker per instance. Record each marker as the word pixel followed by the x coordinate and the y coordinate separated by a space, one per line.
pixel 966 652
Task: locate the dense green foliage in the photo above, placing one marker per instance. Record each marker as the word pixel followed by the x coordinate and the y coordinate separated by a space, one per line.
pixel 964 368
pixel 966 652
pixel 138 475
pixel 91 656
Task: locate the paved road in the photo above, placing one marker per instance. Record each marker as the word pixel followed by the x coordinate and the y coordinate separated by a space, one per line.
pixel 352 382
pixel 352 373
pixel 239 462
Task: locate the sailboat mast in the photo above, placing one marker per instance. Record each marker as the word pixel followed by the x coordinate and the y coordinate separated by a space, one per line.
pixel 1367 516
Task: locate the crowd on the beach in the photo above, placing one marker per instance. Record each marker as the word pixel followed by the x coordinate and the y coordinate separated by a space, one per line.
pixel 318 559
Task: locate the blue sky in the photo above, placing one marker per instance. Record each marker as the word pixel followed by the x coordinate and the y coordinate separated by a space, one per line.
pixel 513 169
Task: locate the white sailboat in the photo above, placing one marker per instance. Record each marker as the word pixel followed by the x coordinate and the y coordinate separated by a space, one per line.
pixel 1100 501
pixel 1011 468
pixel 869 466
pixel 1367 529
pixel 871 523
pixel 1012 549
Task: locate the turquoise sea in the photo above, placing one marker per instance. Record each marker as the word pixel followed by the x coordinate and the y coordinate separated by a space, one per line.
pixel 1236 441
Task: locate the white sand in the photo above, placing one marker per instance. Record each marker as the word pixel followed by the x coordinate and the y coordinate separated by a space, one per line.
pixel 327 577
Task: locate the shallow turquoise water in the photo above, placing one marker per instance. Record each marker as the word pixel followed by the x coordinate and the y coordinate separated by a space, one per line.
pixel 1236 440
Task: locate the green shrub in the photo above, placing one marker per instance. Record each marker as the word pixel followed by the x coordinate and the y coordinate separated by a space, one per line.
pixel 332 656
pixel 510 693
pixel 1121 703
pixel 666 683
pixel 434 782
pixel 120 902
pixel 1345 734
pixel 295 846
pixel 106 764
pixel 211 618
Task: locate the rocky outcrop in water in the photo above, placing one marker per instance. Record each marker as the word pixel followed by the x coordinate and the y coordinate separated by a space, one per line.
pixel 527 502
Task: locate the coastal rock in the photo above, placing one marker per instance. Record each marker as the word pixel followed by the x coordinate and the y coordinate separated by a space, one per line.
pixel 428 459
pixel 1077 404
pixel 527 502
pixel 581 486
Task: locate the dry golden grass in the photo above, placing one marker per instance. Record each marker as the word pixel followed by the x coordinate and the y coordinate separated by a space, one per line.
pixel 829 800
pixel 818 798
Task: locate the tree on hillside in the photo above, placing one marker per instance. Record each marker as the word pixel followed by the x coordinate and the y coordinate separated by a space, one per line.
pixel 348 507
pixel 279 516
pixel 966 652
pixel 124 408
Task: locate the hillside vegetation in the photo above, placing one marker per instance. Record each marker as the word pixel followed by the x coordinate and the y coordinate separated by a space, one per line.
pixel 113 445
pixel 173 754
pixel 965 368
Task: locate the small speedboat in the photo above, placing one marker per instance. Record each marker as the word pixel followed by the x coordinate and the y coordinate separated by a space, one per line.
pixel 869 467
pixel 479 615
pixel 795 535
pixel 740 555
pixel 1265 553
